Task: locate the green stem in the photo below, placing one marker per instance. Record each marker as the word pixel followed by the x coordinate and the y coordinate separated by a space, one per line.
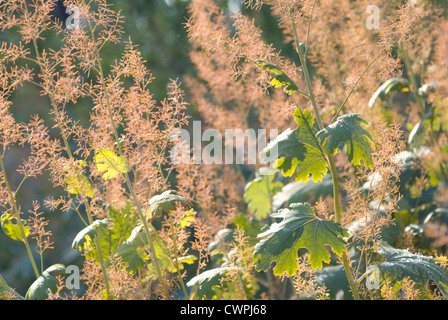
pixel 148 235
pixel 337 219
pixel 421 105
pixel 19 220
pixel 100 252
pixel 128 182
pixel 68 150
pixel 356 84
pixel 176 256
pixel 306 75
pixel 337 207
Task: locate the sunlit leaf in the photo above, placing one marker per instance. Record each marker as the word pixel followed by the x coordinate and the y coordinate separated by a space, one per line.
pixel 259 192
pixel 108 162
pixel 207 280
pixel 300 228
pixel 280 79
pixel 132 250
pixel 299 152
pixel 387 88
pixel 84 239
pixel 167 260
pixel 12 229
pixel 76 182
pixel 166 202
pixel 347 129
pixel 79 184
pixel 187 219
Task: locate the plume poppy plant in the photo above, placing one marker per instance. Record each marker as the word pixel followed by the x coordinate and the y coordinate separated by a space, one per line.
pixel 353 206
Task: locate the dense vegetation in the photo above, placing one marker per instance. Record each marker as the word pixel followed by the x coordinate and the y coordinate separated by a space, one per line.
pixel 135 161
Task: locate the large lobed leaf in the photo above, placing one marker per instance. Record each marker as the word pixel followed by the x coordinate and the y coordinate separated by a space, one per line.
pixel 347 129
pixel 204 283
pixel 45 283
pixel 299 152
pixel 300 228
pixel 167 202
pixel 400 264
pixel 134 254
pixel 76 182
pixel 132 250
pixel 297 191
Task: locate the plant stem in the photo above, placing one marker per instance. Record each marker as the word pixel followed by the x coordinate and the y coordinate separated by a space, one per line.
pixel 70 155
pixel 306 74
pixel 19 220
pixel 176 256
pixel 421 105
pixel 100 253
pixel 337 219
pixel 356 84
pixel 148 234
pixel 128 182
pixel 337 207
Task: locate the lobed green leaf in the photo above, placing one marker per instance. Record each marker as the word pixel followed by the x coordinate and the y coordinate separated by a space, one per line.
pixel 347 129
pixel 400 264
pixel 299 228
pixel 299 152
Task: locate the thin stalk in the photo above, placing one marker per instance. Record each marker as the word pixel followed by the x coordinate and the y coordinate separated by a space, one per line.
pixel 80 216
pixel 68 150
pixel 421 105
pixel 337 207
pixel 364 275
pixel 356 84
pixel 359 265
pixel 176 256
pixel 308 30
pixel 337 219
pixel 19 220
pixel 128 182
pixel 306 75
pixel 148 234
pixel 241 285
pixel 99 251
